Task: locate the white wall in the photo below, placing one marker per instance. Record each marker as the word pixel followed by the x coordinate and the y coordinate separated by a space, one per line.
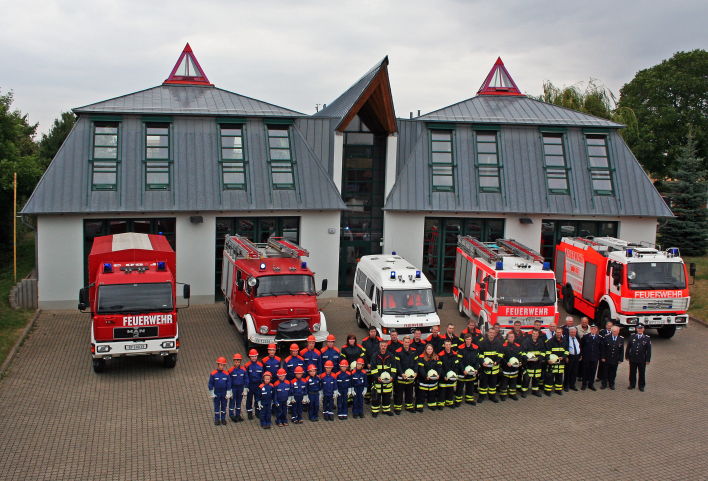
pixel 323 247
pixel 195 257
pixel 60 252
pixel 403 233
pixel 338 159
pixel 637 229
pixel 528 234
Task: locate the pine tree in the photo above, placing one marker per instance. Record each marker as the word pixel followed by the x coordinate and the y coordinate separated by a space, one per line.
pixel 689 229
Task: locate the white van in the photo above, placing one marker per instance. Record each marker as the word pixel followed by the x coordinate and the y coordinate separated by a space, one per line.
pixel 391 293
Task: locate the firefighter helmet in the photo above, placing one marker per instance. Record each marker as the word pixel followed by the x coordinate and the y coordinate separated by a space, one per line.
pixel 514 362
pixel 221 360
pixel 410 373
pixel 330 337
pixel 294 347
pixel 272 346
pixel 343 362
pixel 299 369
pixel 329 364
pixel 488 361
pixel 282 372
pixel 237 356
pixel 385 377
pixel 470 370
pixel 311 339
pixel 311 367
pixel 531 356
pixel 352 366
pixel 553 358
pixel 252 352
pixel 433 374
pixel 360 361
pixel 451 376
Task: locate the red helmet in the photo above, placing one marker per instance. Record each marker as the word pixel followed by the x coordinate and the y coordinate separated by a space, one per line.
pixel 281 372
pixel 343 362
pixel 311 367
pixel 252 352
pixel 360 361
pixel 267 373
pixel 310 338
pixel 221 360
pixel 237 356
pixel 294 347
pixel 330 337
pixel 327 364
pixel 299 369
pixel 272 346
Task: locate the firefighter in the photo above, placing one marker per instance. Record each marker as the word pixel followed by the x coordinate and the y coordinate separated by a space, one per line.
pixel 449 371
pixel 220 390
pixel 293 361
pixel 255 370
pixel 394 343
pixel 359 384
pixel 534 350
pixel 417 342
pixel 330 353
pixel 299 387
pixel 312 356
pixel 435 339
pixel 329 385
pixel 450 334
pixel 352 351
pixel 612 354
pixel 314 389
pixel 344 383
pixel 429 369
pixel 638 354
pixel 490 355
pixel 239 377
pixel 371 347
pixel 590 346
pixel 283 392
pixel 266 401
pixel 406 359
pixel 511 362
pixel 557 345
pixel 382 362
pixel 471 329
pixel 519 335
pixel 469 358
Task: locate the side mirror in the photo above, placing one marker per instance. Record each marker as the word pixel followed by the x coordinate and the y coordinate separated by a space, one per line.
pixel 374 307
pixel 186 293
pixel 83 298
pixel 440 304
pixel 324 284
pixel 482 292
pixel 692 269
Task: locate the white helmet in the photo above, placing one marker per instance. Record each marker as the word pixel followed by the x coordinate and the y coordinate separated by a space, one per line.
pixel 451 376
pixel 531 356
pixel 514 362
pixel 488 361
pixel 352 366
pixel 433 374
pixel 385 377
pixel 409 373
pixel 470 370
pixel 553 358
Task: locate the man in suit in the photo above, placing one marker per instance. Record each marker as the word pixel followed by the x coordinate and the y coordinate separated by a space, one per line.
pixel 568 324
pixel 571 369
pixel 638 354
pixel 612 354
pixel 590 346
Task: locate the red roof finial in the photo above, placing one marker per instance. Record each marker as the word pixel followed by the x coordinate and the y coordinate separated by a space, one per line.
pixel 499 82
pixel 187 70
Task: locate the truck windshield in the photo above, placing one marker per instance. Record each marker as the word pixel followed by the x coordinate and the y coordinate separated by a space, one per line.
pixel 115 298
pixel 526 292
pixel 656 275
pixel 407 301
pixel 288 284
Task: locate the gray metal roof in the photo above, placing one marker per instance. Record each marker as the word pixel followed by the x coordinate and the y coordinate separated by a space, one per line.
pixel 187 100
pixel 523 177
pixel 64 188
pixel 499 109
pixel 343 104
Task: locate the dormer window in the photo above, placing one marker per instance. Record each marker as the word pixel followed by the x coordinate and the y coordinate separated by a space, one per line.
pixel 105 155
pixel 282 163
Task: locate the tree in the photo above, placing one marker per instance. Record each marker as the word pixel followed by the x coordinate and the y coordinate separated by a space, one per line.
pixel 666 99
pixel 689 229
pixel 593 99
pixel 52 141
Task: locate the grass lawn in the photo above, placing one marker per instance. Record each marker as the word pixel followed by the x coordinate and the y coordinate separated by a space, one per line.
pixel 699 290
pixel 12 322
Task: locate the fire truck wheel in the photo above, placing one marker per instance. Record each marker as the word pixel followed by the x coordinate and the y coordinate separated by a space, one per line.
pixel 461 308
pixel 666 332
pixel 359 320
pixel 568 301
pixel 605 317
pixel 99 365
pixel 228 316
pixel 169 361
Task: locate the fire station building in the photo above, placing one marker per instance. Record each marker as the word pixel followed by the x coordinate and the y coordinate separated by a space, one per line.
pixel 195 162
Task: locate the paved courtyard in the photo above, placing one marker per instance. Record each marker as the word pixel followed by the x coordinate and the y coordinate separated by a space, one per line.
pixel 59 420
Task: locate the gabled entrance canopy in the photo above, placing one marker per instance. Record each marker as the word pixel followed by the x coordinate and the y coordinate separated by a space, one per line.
pixel 187 70
pixel 499 82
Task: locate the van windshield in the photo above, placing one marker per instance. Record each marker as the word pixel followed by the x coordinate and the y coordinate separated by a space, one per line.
pixel 115 298
pixel 285 285
pixel 407 301
pixel 526 292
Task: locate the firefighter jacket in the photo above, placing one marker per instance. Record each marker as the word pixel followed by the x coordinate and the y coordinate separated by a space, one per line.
pixel 393 347
pixel 436 341
pixel 219 381
pixel 469 356
pixel 312 357
pixel 314 384
pixel 381 363
pixel 271 364
pixel 267 393
pixel 509 350
pixel 352 353
pixel 299 387
pixel 638 349
pixel 449 361
pixel 590 347
pixel 454 340
pixel 255 374
pixel 476 336
pixel 559 348
pixel 291 362
pixel 371 347
pixel 612 350
pixel 406 360
pixel 283 390
pixel 330 354
pixel 419 346
pixel 493 350
pixel 328 383
pixel 520 336
pixel 424 367
pixel 359 379
pixel 239 377
pixel 538 348
pixel 344 382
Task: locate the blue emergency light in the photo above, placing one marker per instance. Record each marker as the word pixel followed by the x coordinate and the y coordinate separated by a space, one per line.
pixel 161 266
pixel 674 251
pixel 262 266
pixel 546 266
pixel 393 275
pixel 393 253
pixel 417 274
pixel 107 267
pixel 629 252
pixel 500 265
pixel 304 265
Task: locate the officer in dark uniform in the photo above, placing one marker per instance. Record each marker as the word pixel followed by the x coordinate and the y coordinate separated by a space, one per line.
pixel 590 346
pixel 406 358
pixel 638 354
pixel 371 347
pixel 601 366
pixel 612 354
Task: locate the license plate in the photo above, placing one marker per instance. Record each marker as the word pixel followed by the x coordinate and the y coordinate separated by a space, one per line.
pixel 135 347
pixel 655 321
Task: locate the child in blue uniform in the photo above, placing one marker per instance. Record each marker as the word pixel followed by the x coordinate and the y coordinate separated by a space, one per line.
pixel 329 385
pixel 267 395
pixel 299 389
pixel 238 377
pixel 359 382
pixel 283 391
pixel 220 390
pixel 314 389
pixel 343 379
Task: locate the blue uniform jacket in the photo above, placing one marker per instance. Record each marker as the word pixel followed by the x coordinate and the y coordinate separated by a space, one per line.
pixel 267 392
pixel 312 357
pixel 271 364
pixel 283 390
pixel 359 379
pixel 314 384
pixel 291 362
pixel 219 381
pixel 344 381
pixel 299 387
pixel 329 383
pixel 238 377
pixel 255 374
pixel 333 355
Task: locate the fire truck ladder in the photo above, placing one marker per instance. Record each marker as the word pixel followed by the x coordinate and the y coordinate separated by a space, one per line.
pixel 616 244
pixel 475 248
pixel 286 247
pixel 241 248
pixel 520 250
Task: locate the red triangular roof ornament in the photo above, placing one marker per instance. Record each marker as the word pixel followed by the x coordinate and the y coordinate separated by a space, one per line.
pixel 499 82
pixel 187 70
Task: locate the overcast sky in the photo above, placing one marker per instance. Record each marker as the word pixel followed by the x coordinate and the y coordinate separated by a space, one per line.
pixel 56 55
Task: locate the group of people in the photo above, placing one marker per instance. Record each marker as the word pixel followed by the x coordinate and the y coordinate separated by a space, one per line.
pixel 441 371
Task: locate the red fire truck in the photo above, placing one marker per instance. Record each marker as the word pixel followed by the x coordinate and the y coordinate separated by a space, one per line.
pixel 503 282
pixel 132 297
pixel 610 279
pixel 270 293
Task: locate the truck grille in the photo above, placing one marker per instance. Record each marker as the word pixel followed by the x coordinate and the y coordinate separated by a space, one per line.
pixel 134 332
pixel 297 311
pixel 639 305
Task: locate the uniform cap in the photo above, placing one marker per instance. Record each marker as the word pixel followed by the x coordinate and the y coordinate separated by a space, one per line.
pixel 593 325
pixel 330 337
pixel 252 352
pixel 299 369
pixel 329 364
pixel 237 356
pixel 640 325
pixel 221 360
pixel 282 372
pixel 272 346
pixel 311 367
pixel 343 362
pixel 294 347
pixel 311 338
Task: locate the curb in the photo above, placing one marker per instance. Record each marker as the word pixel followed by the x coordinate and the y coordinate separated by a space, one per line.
pixel 16 347
pixel 699 321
